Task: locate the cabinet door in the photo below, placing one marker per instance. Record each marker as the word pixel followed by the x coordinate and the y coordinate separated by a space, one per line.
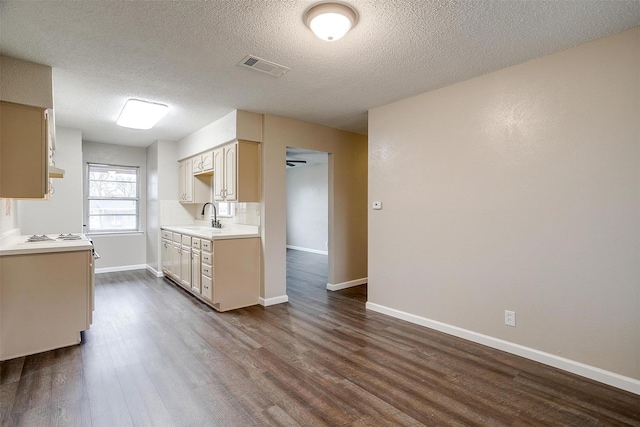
pixel 181 183
pixel 188 181
pixel 185 266
pixel 196 163
pixel 195 270
pixel 207 161
pixel 207 287
pixel 218 174
pixel 166 247
pixel 175 261
pixel 230 173
pixel 24 152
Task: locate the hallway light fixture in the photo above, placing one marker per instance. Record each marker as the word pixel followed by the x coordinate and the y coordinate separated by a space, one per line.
pixel 138 114
pixel 330 21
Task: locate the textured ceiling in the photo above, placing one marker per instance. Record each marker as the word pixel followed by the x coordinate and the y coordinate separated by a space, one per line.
pixel 185 54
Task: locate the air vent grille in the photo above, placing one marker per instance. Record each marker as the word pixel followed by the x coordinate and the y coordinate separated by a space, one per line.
pixel 264 66
pixel 250 62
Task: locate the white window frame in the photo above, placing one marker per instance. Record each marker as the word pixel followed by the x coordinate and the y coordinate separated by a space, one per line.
pixel 88 199
pixel 232 210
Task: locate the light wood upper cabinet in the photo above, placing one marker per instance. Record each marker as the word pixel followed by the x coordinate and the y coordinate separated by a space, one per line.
pixel 193 188
pixel 237 172
pixel 24 152
pixel 203 163
pixel 185 181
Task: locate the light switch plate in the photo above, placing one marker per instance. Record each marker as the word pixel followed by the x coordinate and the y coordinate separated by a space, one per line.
pixel 377 205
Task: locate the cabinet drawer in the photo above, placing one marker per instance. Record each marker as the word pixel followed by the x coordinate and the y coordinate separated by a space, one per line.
pixel 167 235
pixel 177 237
pixel 207 287
pixel 206 270
pixel 195 243
pixel 207 258
pixel 207 245
pixel 186 240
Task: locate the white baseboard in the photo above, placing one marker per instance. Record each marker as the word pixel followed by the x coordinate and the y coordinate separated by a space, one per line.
pixel 273 301
pixel 154 271
pixel 345 285
pixel 315 251
pixel 610 378
pixel 121 268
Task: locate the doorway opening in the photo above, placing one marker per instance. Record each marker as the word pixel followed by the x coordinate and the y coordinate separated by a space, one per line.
pixel 307 221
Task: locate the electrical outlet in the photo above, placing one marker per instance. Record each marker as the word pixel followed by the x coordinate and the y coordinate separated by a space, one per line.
pixel 510 318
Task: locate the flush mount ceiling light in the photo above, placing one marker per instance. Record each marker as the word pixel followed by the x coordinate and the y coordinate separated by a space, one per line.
pixel 330 21
pixel 138 114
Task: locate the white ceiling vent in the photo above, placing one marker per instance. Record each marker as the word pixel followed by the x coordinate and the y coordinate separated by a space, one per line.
pixel 263 65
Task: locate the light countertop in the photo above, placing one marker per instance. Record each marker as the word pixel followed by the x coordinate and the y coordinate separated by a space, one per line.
pixel 234 231
pixel 17 245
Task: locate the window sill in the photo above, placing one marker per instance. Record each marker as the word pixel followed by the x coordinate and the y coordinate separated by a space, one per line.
pixel 114 233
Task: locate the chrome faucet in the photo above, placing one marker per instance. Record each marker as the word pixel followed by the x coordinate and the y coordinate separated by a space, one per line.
pixel 214 222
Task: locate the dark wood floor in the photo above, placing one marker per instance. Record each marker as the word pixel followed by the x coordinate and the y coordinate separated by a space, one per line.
pixel 155 356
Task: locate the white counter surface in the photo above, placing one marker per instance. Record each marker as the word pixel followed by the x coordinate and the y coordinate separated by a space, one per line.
pixel 17 245
pixel 235 231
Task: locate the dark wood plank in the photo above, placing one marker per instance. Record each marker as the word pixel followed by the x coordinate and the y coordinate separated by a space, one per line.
pixel 157 356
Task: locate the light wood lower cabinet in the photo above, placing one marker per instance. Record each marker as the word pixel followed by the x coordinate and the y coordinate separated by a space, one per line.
pixel 207 288
pixel 195 271
pixel 235 273
pixel 174 273
pixel 185 266
pixel 223 273
pixel 166 249
pixel 45 301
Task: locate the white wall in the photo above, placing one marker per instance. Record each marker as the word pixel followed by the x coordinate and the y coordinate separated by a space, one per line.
pixel 120 251
pixel 307 207
pixel 62 212
pixel 162 191
pixel 8 216
pixel 153 223
pixel 518 190
pixel 235 125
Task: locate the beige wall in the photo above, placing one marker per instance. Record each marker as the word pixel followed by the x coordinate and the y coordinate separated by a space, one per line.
pixel 347 199
pixel 518 190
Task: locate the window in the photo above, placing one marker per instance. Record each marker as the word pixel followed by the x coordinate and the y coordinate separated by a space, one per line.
pixel 112 198
pixel 225 209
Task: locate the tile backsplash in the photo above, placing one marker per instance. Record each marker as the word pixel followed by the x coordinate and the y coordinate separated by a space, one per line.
pixel 247 213
pixel 172 212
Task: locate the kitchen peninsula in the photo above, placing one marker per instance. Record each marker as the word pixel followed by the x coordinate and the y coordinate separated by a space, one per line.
pixel 46 293
pixel 221 267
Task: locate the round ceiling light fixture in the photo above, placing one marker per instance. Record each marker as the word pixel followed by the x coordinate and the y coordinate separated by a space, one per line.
pixel 330 21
